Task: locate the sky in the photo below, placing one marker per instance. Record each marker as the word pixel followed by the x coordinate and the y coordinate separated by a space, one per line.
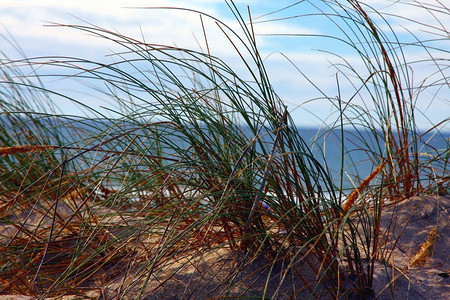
pixel 281 34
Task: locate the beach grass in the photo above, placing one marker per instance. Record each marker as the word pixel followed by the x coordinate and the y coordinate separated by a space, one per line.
pixel 198 159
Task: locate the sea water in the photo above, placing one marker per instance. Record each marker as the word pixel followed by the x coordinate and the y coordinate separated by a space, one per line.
pixel 346 162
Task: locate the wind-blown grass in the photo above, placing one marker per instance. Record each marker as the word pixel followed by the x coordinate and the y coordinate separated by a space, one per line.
pixel 191 165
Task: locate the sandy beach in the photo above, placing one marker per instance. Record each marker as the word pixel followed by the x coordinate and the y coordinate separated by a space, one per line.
pixel 413 265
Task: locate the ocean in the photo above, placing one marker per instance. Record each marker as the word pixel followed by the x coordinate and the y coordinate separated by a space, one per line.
pixel 350 161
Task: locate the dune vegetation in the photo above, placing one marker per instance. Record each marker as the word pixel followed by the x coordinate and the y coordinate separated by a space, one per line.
pixel 199 162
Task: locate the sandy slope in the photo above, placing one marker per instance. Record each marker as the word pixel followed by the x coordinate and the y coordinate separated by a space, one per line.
pixel 411 222
pixel 406 226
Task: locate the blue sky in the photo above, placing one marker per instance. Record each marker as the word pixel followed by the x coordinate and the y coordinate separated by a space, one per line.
pixel 24 20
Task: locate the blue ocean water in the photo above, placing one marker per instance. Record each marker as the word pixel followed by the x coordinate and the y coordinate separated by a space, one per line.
pixel 350 161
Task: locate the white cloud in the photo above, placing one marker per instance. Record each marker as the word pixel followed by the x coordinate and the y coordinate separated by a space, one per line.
pixel 422 17
pixel 25 20
pixel 170 27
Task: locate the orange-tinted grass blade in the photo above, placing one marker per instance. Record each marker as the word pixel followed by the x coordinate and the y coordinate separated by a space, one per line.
pixel 354 194
pixel 25 149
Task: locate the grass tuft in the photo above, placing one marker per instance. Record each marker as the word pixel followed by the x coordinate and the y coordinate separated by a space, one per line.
pixel 199 176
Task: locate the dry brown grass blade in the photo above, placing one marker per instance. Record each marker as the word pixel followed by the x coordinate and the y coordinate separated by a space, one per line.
pixel 421 256
pixel 25 149
pixel 7 205
pixel 356 192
